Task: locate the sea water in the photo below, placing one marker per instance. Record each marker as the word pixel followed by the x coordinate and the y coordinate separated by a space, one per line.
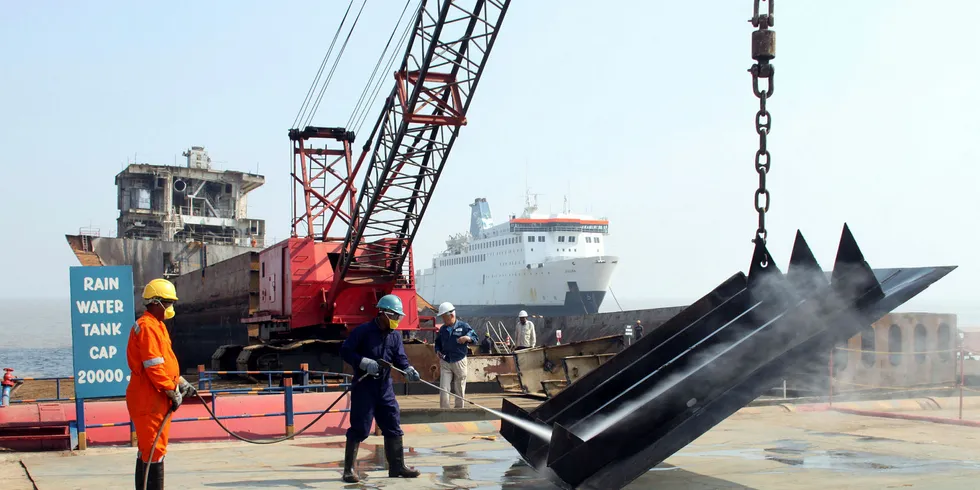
pixel 35 337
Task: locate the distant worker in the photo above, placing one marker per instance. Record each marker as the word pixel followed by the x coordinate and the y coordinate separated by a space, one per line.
pixel 486 346
pixel 369 348
pixel 155 385
pixel 526 337
pixel 451 348
pixel 638 330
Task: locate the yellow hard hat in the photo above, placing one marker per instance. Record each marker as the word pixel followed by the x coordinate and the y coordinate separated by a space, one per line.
pixel 160 288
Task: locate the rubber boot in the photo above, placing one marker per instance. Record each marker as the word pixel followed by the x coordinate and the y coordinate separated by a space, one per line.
pixel 395 454
pixel 350 458
pixel 140 473
pixel 155 482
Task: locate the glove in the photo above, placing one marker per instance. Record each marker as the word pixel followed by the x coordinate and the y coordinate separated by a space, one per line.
pixel 186 389
pixel 370 365
pixel 412 375
pixel 175 398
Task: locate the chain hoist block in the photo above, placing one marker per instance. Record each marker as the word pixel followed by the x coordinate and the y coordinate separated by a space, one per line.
pixel 728 348
pixel 763 45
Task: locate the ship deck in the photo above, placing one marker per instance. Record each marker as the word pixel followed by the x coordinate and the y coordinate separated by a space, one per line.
pixel 774 449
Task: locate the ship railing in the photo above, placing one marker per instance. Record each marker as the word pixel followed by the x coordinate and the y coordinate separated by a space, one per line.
pixel 58 380
pixel 500 337
pixel 305 376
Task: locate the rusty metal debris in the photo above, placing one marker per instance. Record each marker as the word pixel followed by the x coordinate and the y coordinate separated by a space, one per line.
pixel 723 351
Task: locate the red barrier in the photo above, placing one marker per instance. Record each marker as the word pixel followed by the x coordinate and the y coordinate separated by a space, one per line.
pixel 109 412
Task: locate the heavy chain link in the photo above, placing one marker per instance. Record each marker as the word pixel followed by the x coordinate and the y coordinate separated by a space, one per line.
pixel 763 50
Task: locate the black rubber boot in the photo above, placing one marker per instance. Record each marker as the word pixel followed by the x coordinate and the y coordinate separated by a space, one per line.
pixel 140 473
pixel 350 458
pixel 155 482
pixel 395 454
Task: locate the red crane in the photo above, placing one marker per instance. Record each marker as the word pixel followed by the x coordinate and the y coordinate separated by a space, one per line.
pixel 351 245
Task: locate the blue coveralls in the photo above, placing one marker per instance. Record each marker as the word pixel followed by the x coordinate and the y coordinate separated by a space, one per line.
pixel 373 397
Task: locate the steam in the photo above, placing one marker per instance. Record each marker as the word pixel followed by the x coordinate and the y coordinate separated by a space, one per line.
pixel 805 299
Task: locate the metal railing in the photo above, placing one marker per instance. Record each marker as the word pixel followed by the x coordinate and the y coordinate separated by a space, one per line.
pixel 502 343
pixel 311 382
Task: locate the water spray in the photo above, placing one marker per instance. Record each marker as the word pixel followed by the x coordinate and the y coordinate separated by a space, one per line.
pixel 542 431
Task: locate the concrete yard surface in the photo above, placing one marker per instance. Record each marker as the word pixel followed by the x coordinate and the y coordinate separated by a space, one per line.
pixel 770 450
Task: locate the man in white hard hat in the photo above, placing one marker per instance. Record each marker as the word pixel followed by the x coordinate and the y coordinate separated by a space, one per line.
pixel 451 343
pixel 526 337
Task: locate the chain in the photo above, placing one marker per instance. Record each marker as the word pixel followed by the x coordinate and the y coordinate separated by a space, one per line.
pixel 763 50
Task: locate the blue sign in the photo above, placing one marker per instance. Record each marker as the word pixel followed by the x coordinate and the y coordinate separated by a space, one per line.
pixel 102 315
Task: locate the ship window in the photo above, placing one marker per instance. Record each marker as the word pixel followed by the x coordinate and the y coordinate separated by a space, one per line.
pixel 945 342
pixel 895 344
pixel 595 239
pixel 588 239
pixel 920 343
pixel 561 239
pixel 263 269
pixel 541 238
pixel 530 238
pixel 571 239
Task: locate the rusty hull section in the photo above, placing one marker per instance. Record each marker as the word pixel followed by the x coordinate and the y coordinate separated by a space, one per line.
pixel 544 371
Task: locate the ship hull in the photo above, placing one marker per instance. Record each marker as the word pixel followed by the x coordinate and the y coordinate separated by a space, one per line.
pixel 580 303
pixel 151 259
pixel 556 288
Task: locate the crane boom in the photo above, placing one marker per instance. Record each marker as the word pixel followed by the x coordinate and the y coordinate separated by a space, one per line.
pixel 445 56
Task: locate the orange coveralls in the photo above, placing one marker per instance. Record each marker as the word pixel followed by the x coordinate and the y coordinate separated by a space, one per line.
pixel 154 370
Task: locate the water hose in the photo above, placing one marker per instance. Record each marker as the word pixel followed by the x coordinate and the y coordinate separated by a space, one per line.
pixel 146 473
pixel 146 469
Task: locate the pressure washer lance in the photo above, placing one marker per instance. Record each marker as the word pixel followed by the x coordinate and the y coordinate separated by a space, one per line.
pixel 170 412
pixel 387 364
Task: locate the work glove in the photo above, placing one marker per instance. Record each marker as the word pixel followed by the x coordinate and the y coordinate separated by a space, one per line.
pixel 370 365
pixel 186 389
pixel 412 375
pixel 175 399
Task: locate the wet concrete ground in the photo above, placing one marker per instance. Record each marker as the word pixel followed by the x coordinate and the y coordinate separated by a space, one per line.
pixel 770 450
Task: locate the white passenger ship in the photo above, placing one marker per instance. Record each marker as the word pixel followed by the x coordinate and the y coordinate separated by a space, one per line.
pixel 549 265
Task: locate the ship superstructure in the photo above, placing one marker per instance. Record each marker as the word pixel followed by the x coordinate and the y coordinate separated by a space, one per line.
pixel 194 203
pixel 175 219
pixel 547 264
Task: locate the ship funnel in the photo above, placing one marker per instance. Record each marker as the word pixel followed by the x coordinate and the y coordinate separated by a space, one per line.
pixel 480 218
pixel 180 185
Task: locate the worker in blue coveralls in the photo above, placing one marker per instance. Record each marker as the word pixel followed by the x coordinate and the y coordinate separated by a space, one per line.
pixel 451 347
pixel 372 348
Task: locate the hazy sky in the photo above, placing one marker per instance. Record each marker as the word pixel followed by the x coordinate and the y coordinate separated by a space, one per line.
pixel 640 111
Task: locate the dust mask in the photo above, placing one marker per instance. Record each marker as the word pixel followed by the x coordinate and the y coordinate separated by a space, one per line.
pixel 392 324
pixel 169 312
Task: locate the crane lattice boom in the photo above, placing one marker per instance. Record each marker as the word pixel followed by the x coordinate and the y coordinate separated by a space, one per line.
pixel 445 56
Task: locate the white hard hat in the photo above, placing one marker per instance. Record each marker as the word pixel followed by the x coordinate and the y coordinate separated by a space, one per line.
pixel 522 314
pixel 446 308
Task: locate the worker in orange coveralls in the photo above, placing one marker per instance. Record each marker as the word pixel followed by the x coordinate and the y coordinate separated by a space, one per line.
pixel 156 385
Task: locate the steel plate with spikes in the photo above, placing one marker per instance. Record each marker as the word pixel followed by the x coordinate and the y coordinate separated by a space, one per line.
pixel 711 359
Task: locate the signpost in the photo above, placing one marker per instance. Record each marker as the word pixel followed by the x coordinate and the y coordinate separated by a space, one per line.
pixel 102 314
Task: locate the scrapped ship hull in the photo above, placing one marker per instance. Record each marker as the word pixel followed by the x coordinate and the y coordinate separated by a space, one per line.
pixel 150 258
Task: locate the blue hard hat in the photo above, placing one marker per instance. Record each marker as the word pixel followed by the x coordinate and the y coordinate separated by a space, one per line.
pixel 392 303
